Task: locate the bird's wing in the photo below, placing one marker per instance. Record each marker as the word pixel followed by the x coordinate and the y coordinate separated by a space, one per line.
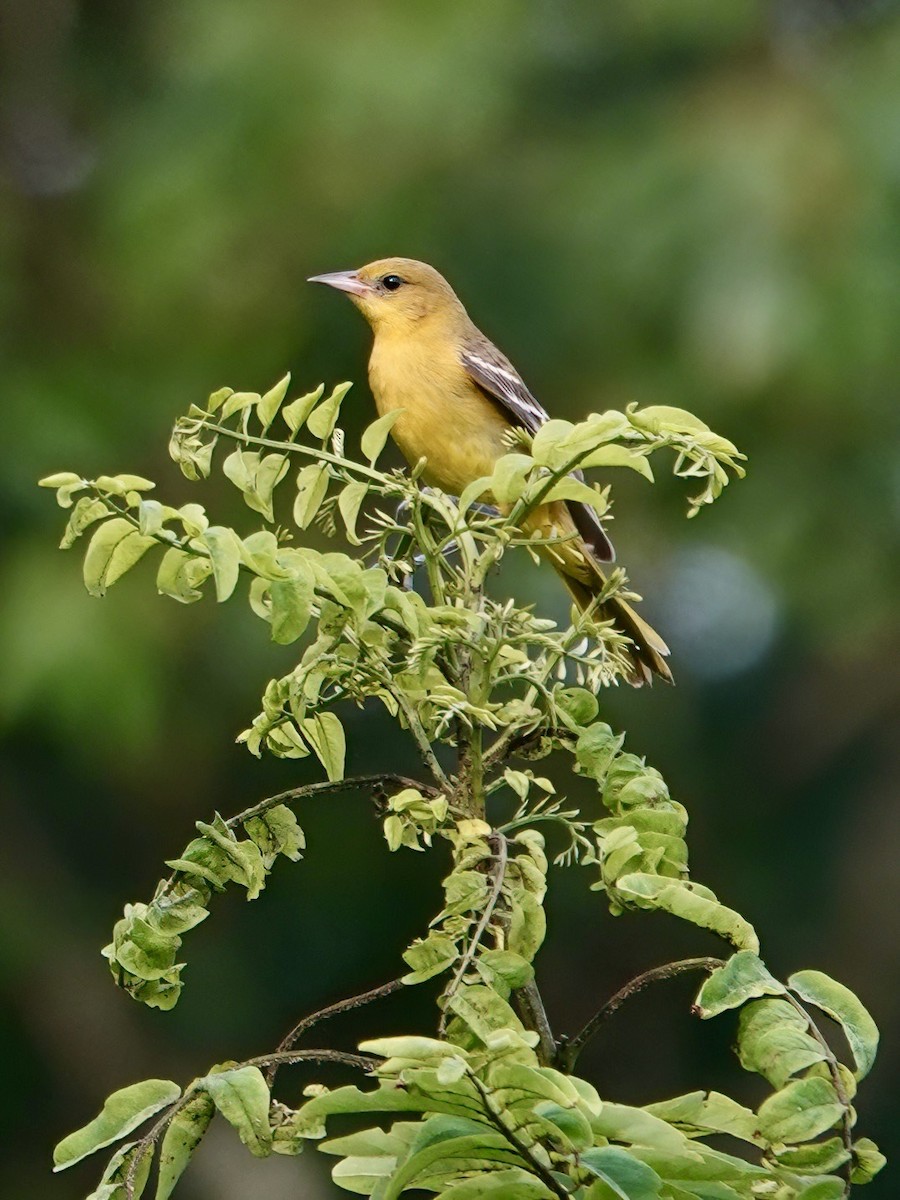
pixel 501 382
pixel 495 374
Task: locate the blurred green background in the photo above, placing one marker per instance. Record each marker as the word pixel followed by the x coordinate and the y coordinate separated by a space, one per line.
pixel 666 201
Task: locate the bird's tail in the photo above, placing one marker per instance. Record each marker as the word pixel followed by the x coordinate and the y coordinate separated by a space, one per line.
pixel 647 652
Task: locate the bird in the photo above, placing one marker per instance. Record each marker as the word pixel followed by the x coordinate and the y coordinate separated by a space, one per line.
pixel 460 400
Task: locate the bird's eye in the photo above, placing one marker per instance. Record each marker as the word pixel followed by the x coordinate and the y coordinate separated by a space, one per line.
pixel 391 282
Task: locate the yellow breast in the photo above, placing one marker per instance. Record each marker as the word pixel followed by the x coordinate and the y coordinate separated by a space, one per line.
pixel 446 419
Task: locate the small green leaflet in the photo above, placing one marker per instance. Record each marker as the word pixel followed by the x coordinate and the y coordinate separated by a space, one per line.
pixel 242 1097
pixel 375 436
pixel 270 403
pixel 325 734
pixel 182 1137
pixel 815 987
pixel 114 549
pixel 122 1112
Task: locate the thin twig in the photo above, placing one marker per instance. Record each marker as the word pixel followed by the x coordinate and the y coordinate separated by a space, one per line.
pixel 499 873
pixel 364 1061
pixel 290 1040
pixel 528 1003
pixel 428 755
pixel 570 1050
pixel 838 1083
pixel 537 1167
pixel 316 452
pixel 356 783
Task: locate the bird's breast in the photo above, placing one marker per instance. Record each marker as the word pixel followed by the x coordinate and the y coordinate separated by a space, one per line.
pixel 446 419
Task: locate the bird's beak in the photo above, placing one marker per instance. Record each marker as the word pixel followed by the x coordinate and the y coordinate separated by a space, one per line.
pixel 344 281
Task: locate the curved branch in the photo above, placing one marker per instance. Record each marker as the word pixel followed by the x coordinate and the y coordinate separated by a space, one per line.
pixel 332 1010
pixel 328 787
pixel 365 1062
pixel 499 873
pixel 838 1084
pixel 570 1050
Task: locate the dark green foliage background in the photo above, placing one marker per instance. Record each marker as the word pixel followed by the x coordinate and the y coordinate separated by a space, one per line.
pixel 670 202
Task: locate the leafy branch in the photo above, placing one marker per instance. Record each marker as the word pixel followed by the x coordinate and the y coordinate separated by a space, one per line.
pixel 399 616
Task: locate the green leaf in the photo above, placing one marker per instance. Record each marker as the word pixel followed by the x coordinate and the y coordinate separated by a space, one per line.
pixel 549 445
pixel 802 1110
pixel 113 1182
pixel 409 1050
pixel 570 488
pixel 119 485
pixel 627 1177
pixel 115 547
pixel 774 1040
pixel 271 402
pixel 349 503
pixel 596 749
pixel 122 1112
pixel 450 1158
pixel 323 419
pixel 374 438
pixel 619 456
pixel 270 472
pixel 508 479
pixel 513 1183
pixel 687 901
pixel 429 957
pixel 224 549
pixel 277 832
pixel 238 402
pixel 182 1137
pixel 483 1013
pixel 180 575
pixel 704 1173
pixel 218 398
pixel 622 1123
pixel 297 411
pixel 815 987
pixel 743 977
pixel 576 706
pixel 292 601
pixel 867 1161
pixel 823 1189
pixel 569 1126
pixel 220 858
pixel 242 1097
pixel 62 479
pixel 816 1158
pixel 87 510
pixel 661 418
pixel 325 734
pixel 312 485
pixel 527 925
pixel 708 1112
pixel 510 970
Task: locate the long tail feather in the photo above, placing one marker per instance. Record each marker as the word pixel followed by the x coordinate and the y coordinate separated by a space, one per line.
pixel 647 652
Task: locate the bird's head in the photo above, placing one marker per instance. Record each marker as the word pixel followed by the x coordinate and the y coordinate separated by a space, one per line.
pixel 397 293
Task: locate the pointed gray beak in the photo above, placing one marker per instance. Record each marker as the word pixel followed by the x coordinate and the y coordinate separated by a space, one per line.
pixel 344 281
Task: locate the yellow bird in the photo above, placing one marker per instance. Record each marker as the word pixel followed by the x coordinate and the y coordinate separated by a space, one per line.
pixel 460 397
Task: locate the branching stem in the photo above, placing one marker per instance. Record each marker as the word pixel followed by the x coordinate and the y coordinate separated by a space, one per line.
pixel 570 1050
pixel 537 1167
